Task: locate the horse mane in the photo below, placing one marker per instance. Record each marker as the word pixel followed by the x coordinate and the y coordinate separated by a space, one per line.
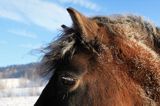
pixel 69 42
pixel 133 25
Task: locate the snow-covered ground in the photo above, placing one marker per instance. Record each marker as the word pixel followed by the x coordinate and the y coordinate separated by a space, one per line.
pixel 27 91
pixel 11 82
pixel 19 92
pixel 18 101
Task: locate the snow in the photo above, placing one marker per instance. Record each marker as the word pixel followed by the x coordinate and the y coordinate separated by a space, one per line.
pixel 31 91
pixel 10 82
pixel 19 92
pixel 18 101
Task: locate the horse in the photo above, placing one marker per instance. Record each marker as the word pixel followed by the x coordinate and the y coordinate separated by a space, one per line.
pixel 103 61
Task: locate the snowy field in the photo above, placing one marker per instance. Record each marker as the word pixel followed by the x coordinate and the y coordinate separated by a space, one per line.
pixel 27 91
pixel 18 101
pixel 19 92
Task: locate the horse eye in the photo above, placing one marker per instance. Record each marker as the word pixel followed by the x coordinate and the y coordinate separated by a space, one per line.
pixel 68 81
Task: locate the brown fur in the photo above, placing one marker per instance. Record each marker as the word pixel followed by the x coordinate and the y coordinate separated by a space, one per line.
pixel 115 59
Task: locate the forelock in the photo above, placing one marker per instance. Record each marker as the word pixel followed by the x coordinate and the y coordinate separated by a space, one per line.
pixel 64 48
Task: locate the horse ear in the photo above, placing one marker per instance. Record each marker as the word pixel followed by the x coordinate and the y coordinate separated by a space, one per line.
pixel 87 28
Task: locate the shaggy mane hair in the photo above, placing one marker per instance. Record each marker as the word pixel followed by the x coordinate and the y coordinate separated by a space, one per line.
pixel 70 42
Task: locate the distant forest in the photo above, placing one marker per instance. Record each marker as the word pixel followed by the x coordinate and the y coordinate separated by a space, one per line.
pixel 20 71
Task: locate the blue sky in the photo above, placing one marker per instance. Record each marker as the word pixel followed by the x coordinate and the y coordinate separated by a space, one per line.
pixel 27 25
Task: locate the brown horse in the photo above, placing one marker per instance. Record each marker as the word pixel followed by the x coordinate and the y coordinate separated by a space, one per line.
pixel 103 61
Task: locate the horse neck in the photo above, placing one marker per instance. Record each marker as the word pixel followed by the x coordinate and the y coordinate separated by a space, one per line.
pixel 142 64
pixel 110 85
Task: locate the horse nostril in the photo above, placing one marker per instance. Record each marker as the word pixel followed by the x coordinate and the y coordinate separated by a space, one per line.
pixel 68 81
